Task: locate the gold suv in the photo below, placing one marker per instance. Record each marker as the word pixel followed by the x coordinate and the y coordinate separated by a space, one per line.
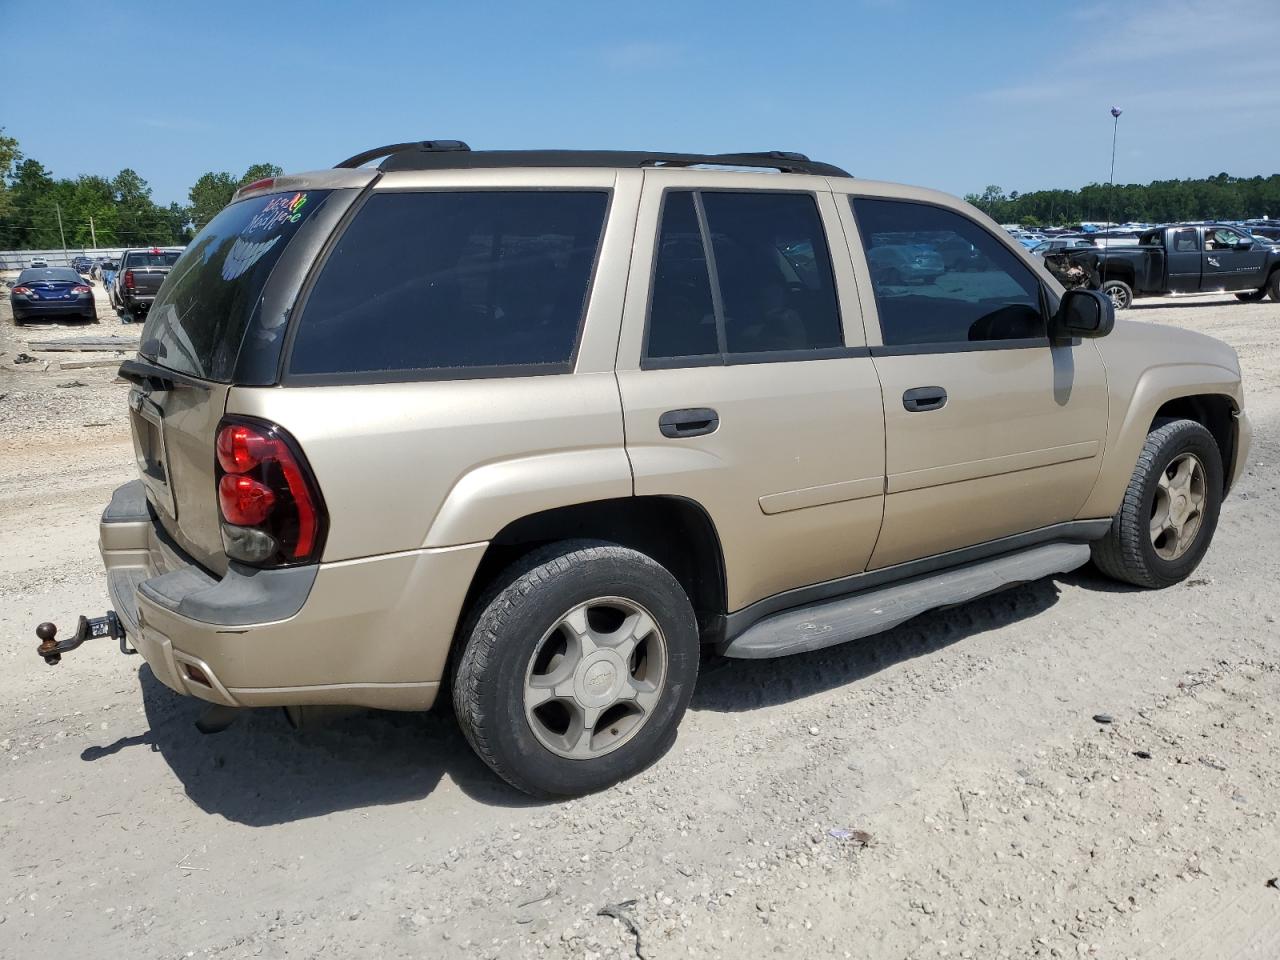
pixel 539 425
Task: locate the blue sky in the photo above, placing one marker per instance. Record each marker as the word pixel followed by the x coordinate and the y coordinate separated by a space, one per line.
pixel 954 95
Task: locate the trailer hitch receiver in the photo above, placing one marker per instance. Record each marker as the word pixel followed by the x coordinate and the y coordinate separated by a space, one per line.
pixel 52 649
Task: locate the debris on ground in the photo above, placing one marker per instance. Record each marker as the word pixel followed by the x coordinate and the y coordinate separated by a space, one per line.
pixel 1103 718
pixel 619 912
pixel 844 833
pixel 73 383
pixel 25 358
pixel 85 344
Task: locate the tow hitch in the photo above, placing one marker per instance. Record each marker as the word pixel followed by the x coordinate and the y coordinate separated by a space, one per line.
pixel 87 629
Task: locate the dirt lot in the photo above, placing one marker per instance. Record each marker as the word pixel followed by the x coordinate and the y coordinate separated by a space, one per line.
pixel 1001 820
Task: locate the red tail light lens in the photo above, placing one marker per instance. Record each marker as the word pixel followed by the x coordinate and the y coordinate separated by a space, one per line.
pixel 244 501
pixel 270 504
pixel 128 279
pixel 23 291
pixel 81 288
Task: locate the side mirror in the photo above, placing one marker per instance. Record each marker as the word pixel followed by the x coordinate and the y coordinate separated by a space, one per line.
pixel 1244 243
pixel 1082 313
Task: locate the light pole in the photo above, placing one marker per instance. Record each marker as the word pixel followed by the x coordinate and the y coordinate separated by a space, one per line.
pixel 1111 190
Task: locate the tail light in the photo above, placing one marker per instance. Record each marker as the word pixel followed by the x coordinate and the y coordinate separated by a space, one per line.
pixel 270 505
pixel 24 291
pixel 128 279
pixel 81 288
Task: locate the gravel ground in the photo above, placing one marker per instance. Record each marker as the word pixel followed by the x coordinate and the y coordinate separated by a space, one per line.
pixel 940 791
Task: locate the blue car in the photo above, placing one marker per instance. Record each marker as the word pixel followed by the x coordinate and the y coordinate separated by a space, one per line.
pixel 49 293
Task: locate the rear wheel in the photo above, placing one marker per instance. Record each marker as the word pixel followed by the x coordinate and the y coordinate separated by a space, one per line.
pixel 1170 509
pixel 578 665
pixel 1121 293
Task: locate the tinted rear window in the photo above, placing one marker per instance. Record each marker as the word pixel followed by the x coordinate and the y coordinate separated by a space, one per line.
pixel 143 258
pixel 53 274
pixel 200 314
pixel 469 282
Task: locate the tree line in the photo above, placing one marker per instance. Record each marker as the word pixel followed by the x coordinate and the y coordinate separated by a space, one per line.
pixel 1223 197
pixel 39 212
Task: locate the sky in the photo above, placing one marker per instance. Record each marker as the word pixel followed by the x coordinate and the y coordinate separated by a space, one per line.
pixel 953 95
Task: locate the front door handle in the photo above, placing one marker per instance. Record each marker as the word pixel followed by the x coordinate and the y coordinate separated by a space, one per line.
pixel 691 422
pixel 922 399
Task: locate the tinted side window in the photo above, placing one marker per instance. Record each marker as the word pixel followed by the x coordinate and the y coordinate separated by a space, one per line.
pixel 774 290
pixel 774 272
pixel 454 280
pixel 1185 241
pixel 682 319
pixel 938 277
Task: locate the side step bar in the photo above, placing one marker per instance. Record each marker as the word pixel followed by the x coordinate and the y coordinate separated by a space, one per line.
pixel 874 610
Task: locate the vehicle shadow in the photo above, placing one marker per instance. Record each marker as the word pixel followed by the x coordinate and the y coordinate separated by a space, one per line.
pixel 729 686
pixel 261 771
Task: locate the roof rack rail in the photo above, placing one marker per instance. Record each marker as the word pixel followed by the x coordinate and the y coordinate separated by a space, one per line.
pixel 441 146
pixel 456 155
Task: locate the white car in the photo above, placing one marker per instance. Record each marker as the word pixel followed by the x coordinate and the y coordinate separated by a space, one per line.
pixel 38 262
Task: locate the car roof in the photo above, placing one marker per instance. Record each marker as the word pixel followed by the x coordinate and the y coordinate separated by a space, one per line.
pixel 48 273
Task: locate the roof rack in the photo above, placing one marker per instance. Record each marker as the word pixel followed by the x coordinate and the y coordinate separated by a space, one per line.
pixel 456 155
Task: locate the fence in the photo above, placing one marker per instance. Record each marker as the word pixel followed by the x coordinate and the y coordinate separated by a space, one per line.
pixel 21 259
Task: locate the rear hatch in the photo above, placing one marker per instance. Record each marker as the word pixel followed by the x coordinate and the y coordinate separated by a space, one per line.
pixel 228 295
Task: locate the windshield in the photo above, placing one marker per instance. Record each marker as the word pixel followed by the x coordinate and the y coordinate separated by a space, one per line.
pixel 202 310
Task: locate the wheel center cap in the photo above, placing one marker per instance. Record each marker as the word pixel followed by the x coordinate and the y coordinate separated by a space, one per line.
pixel 598 679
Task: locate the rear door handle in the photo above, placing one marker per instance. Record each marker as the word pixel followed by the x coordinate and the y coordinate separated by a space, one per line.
pixel 922 399
pixel 691 422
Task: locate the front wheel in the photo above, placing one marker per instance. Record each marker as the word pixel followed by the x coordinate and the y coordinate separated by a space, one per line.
pixel 1170 508
pixel 1273 285
pixel 1121 293
pixel 1252 296
pixel 578 665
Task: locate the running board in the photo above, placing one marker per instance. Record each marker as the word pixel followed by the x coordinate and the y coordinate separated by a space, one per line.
pixel 872 611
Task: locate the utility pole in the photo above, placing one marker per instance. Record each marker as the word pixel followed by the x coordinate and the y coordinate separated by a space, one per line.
pixel 58 208
pixel 94 234
pixel 1111 191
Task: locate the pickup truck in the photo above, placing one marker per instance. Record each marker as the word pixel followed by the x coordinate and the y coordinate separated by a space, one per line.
pixel 1189 258
pixel 139 277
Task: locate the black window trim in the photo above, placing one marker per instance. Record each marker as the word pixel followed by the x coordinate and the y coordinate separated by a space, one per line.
pixel 724 358
pixel 436 374
pixel 950 346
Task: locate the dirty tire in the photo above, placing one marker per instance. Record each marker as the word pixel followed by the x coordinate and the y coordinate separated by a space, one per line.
pixel 1273 285
pixel 1121 293
pixel 1252 296
pixel 504 631
pixel 1127 552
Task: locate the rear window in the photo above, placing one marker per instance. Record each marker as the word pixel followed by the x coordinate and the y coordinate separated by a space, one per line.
pixel 146 258
pixel 454 283
pixel 200 314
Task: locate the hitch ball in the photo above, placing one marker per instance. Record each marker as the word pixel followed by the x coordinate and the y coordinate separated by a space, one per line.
pixel 48 644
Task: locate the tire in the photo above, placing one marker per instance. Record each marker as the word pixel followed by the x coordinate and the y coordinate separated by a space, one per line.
pixel 1129 552
pixel 1121 293
pixel 1252 296
pixel 1273 285
pixel 509 637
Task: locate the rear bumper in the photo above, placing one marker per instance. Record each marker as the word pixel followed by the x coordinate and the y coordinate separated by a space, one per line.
pixel 53 308
pixel 371 632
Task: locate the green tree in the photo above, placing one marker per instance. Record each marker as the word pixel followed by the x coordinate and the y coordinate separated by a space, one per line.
pixel 208 195
pixel 260 171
